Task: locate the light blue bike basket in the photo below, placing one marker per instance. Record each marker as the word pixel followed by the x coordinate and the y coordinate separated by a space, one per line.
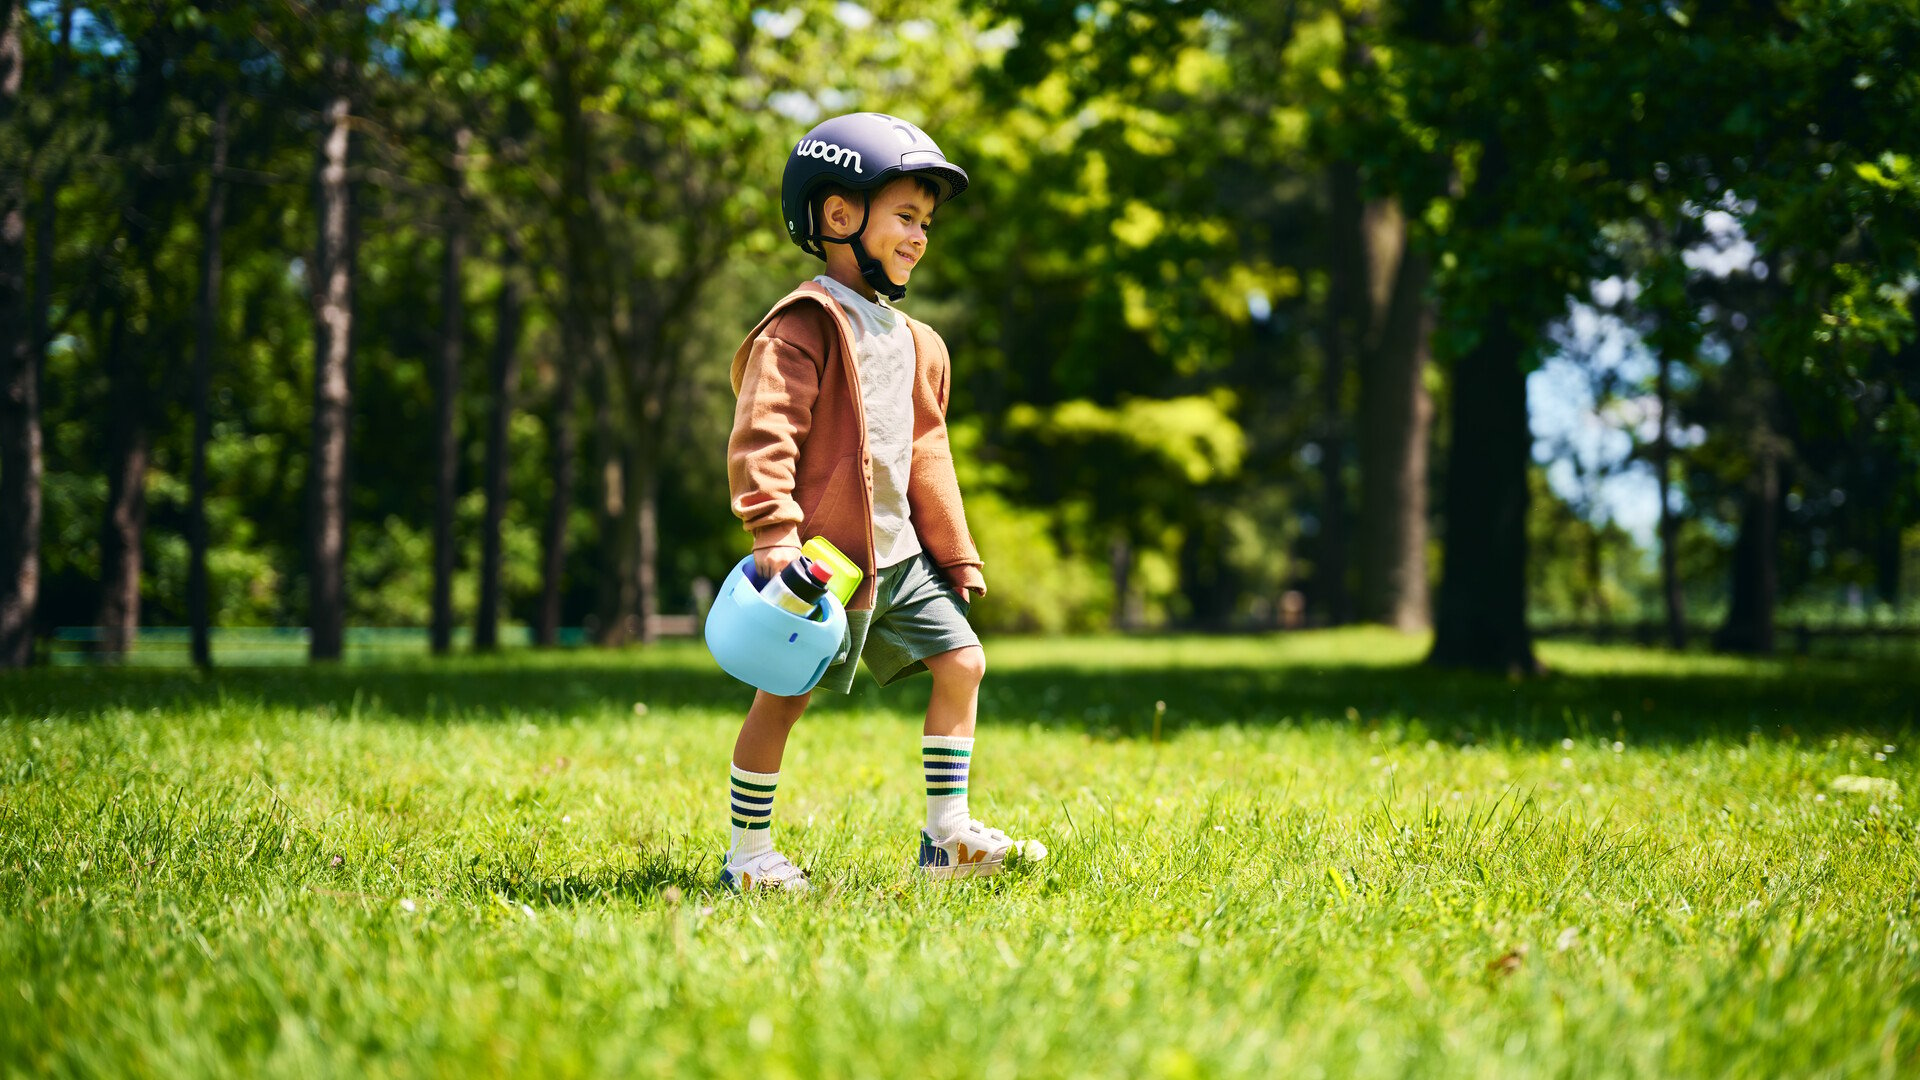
pixel 765 645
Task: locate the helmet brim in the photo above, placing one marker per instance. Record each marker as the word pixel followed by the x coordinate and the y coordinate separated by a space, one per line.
pixel 951 179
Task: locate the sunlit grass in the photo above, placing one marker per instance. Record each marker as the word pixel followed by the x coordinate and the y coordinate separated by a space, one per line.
pixel 1327 863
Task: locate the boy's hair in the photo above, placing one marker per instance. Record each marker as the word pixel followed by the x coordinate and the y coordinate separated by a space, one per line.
pixel 819 208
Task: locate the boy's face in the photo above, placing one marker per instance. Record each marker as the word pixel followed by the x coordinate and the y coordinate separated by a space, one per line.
pixel 896 230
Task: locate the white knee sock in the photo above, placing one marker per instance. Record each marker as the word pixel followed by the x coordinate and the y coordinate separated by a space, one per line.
pixel 751 801
pixel 945 760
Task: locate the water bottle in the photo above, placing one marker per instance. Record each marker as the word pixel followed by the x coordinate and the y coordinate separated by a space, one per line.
pixel 799 586
pixel 846 572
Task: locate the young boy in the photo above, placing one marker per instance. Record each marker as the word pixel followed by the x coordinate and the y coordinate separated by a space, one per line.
pixel 840 431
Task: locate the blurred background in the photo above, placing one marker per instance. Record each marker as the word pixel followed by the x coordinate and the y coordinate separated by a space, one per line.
pixel 336 326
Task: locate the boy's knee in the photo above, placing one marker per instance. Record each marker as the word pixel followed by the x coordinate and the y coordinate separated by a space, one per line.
pixel 796 707
pixel 966 666
pixel 787 710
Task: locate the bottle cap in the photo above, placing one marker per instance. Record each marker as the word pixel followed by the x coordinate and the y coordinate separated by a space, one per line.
pixel 798 578
pixel 821 572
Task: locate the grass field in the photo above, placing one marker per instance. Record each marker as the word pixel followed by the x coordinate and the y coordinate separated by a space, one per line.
pixel 1329 862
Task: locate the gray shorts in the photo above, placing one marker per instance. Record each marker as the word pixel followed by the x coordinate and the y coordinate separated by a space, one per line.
pixel 915 614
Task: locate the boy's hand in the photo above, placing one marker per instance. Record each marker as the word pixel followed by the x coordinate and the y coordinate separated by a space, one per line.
pixel 770 561
pixel 969 594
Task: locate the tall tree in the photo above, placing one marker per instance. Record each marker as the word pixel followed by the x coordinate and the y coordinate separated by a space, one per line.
pixel 447 395
pixel 123 526
pixel 1748 626
pixel 18 616
pixel 198 608
pixel 563 449
pixel 1345 323
pixel 20 451
pixel 1482 616
pixel 581 242
pixel 146 322
pixel 1395 422
pixel 613 620
pixel 332 299
pixel 504 379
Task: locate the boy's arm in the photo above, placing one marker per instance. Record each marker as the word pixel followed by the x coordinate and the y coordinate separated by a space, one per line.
pixel 933 489
pixel 777 384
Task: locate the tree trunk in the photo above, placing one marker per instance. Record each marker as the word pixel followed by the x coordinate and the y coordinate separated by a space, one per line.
pixel 448 398
pixel 332 385
pixel 138 339
pixel 198 613
pixel 616 611
pixel 643 395
pixel 554 542
pixel 505 372
pixel 1120 567
pixel 646 543
pixel 1396 418
pixel 1669 527
pixel 22 344
pixel 1482 619
pixel 124 521
pixel 1756 579
pixel 1346 318
pixel 577 338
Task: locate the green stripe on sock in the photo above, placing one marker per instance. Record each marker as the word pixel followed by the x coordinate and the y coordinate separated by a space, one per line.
pixel 757 824
pixel 946 791
pixel 739 783
pixel 941 751
pixel 738 824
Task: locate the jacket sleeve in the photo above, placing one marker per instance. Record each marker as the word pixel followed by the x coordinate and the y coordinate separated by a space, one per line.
pixel 777 386
pixel 932 487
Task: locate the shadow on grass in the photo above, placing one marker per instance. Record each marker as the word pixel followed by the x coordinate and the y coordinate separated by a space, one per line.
pixel 649 883
pixel 1801 699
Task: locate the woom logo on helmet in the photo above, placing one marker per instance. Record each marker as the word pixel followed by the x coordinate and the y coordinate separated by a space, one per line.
pixel 831 153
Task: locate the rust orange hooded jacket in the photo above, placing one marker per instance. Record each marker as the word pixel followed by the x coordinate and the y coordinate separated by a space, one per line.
pixel 797 460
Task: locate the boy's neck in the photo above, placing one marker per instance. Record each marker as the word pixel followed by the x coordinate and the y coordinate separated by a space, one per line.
pixel 851 278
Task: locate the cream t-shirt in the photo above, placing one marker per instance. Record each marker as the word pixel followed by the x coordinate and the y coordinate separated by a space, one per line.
pixel 883 351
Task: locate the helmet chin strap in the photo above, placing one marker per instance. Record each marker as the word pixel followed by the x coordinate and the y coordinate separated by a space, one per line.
pixel 870 268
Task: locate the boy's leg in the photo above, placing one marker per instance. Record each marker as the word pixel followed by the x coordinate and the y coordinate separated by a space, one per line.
pixel 924 627
pixel 946 744
pixel 966 848
pixel 751 860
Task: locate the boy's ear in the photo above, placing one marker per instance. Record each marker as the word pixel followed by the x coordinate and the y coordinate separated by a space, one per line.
pixel 840 216
pixel 836 216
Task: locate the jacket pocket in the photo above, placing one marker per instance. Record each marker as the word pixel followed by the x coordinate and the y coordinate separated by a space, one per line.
pixel 828 499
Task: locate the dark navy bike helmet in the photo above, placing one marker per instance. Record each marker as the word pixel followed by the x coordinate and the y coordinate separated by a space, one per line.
pixel 861 152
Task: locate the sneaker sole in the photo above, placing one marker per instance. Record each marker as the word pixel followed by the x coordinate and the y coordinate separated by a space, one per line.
pixel 1023 855
pixel 795 885
pixel 964 870
pixel 796 888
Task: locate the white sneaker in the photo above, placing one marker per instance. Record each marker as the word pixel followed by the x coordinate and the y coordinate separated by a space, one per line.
pixel 975 851
pixel 769 870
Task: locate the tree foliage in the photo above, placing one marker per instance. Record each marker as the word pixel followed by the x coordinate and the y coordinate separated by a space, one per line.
pixel 1159 290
